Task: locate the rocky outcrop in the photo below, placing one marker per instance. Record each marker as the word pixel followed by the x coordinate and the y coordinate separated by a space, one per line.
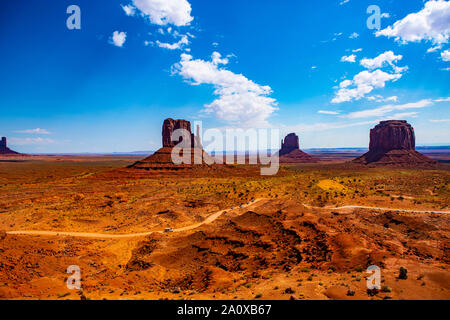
pixel 392 135
pixel 162 159
pixel 290 151
pixel 289 144
pixel 393 143
pixel 169 126
pixel 4 150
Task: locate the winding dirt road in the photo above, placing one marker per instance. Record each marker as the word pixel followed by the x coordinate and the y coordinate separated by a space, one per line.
pixel 208 220
pixel 389 209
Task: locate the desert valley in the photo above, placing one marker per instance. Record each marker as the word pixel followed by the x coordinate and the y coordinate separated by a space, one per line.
pixel 149 229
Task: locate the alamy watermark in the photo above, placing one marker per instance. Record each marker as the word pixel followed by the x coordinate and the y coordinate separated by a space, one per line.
pixel 229 146
pixel 74 280
pixel 374 280
pixel 73 22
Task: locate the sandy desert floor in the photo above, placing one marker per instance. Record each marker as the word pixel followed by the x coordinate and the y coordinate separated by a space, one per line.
pixel 290 240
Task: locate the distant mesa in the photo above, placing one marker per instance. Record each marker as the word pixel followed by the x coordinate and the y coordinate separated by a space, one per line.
pixel 290 151
pixel 162 159
pixel 4 150
pixel 393 143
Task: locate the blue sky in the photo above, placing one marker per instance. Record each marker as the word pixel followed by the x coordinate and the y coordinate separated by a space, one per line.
pixel 310 67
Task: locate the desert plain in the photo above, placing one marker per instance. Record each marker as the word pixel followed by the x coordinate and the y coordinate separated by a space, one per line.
pixel 309 232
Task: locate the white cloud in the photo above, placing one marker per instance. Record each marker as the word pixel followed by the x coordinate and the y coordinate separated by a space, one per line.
pixel 404 115
pixel 434 49
pixel 164 12
pixel 387 57
pixel 384 110
pixel 30 141
pixel 343 2
pixel 445 55
pixel 442 100
pixel 129 10
pixel 174 46
pixel 328 112
pixel 118 38
pixel 323 126
pixel 440 120
pixel 354 35
pixel 363 83
pixel 241 101
pixel 34 131
pixel 379 98
pixel 350 58
pixel 429 24
pixel 357 50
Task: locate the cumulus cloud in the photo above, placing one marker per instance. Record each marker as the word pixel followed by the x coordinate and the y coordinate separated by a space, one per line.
pixel 350 58
pixel 240 100
pixel 429 24
pixel 384 110
pixel 164 12
pixel 445 55
pixel 34 131
pixel 118 38
pixel 366 81
pixel 362 84
pixel 129 10
pixel 385 58
pixel 354 35
pixel 184 41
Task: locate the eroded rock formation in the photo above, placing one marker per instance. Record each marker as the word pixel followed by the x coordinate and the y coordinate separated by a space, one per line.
pixel 4 147
pixel 162 159
pixel 393 143
pixel 290 151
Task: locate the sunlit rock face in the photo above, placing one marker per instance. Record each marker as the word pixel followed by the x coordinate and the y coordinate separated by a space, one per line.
pixel 393 143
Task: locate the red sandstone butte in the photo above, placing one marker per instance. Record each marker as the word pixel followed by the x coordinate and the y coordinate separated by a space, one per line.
pixel 393 142
pixel 4 150
pixel 290 151
pixel 162 159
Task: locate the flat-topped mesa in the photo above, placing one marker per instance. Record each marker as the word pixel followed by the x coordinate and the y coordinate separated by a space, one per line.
pixel 392 135
pixel 162 159
pixel 393 142
pixel 4 147
pixel 290 151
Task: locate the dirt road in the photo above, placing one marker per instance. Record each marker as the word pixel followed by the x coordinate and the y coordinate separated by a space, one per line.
pixel 208 220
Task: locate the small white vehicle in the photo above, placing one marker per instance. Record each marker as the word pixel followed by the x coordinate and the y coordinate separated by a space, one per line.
pixel 167 230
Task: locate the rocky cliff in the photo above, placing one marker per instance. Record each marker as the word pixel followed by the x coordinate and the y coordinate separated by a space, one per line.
pixel 290 151
pixel 393 143
pixel 4 148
